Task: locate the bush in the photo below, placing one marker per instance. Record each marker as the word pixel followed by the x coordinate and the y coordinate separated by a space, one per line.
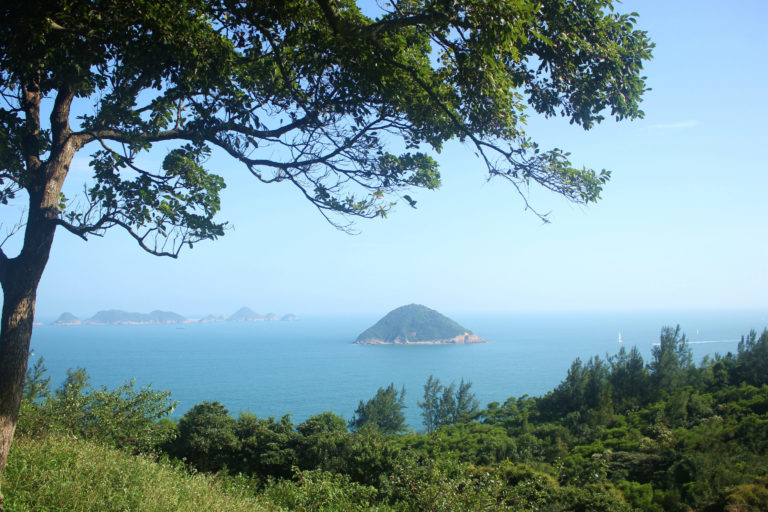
pixel 122 417
pixel 321 491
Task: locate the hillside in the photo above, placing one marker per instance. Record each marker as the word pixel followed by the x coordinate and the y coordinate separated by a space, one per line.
pixel 621 435
pixel 66 473
pixel 416 324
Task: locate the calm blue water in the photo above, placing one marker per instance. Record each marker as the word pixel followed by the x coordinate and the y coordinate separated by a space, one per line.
pixel 310 366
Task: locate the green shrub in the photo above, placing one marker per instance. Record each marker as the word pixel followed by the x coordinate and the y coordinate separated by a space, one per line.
pixel 123 417
pixel 321 491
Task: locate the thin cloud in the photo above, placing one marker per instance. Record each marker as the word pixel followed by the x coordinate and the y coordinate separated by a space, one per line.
pixel 676 126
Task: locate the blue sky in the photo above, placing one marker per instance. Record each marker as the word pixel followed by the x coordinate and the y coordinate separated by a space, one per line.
pixel 683 223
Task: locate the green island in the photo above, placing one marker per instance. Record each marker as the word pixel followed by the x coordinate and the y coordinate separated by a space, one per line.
pixel 415 324
pixel 118 317
pixel 617 434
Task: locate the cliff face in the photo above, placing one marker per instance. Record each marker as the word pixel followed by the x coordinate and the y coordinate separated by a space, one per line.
pixel 416 325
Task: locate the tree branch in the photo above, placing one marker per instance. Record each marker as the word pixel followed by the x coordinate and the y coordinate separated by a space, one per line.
pixel 4 264
pixel 330 15
pixel 143 245
pixel 30 103
pixel 85 229
pixel 60 115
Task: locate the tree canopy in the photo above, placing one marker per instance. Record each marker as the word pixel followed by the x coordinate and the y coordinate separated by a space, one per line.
pixel 307 92
pixel 384 411
pixel 447 405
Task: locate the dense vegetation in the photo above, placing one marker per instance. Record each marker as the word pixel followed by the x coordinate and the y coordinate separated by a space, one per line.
pixel 617 434
pixel 413 322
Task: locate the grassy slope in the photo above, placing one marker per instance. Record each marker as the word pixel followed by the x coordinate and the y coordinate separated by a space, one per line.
pixel 62 473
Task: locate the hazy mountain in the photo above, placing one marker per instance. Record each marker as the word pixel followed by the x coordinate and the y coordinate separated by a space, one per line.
pixel 246 315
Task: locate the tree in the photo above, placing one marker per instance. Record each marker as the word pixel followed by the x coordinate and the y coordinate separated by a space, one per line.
pixel 446 405
pixel 384 411
pixel 672 360
pixel 207 437
pixel 309 92
pixel 629 379
pixel 266 447
pixel 324 423
pixel 752 363
pixel 36 384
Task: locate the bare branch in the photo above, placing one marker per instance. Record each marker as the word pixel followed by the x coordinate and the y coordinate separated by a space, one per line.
pixel 18 226
pixel 129 162
pixel 84 230
pixel 140 239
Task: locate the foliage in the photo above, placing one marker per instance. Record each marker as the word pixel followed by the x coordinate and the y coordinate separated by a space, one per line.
pixel 265 446
pixel 323 423
pixel 207 437
pixel 689 440
pixel 471 442
pixel 36 384
pixel 384 411
pixel 441 486
pixel 63 473
pixel 321 491
pixel 751 365
pixel 305 92
pixel 447 405
pixel 123 417
pixel 748 497
pixel 671 358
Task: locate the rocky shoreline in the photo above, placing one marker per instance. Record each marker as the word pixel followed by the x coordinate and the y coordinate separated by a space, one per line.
pixel 461 339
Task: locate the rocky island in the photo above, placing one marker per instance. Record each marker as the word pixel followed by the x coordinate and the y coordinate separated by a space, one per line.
pixel 415 324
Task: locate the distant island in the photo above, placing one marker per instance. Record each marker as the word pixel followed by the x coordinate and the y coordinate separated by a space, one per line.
pixel 67 319
pixel 415 324
pixel 118 317
pixel 246 315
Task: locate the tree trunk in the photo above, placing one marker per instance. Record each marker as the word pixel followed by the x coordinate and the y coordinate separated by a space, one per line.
pixel 19 277
pixel 15 334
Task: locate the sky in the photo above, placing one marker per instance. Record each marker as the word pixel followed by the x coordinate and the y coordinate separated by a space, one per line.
pixel 683 223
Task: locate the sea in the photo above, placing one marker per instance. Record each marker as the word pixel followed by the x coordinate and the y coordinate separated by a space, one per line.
pixel 309 366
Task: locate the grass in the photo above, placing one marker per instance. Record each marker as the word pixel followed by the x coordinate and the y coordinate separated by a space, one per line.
pixel 58 473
